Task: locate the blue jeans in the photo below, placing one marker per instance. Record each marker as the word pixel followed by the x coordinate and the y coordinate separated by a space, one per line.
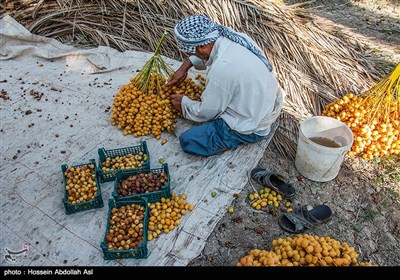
pixel 213 137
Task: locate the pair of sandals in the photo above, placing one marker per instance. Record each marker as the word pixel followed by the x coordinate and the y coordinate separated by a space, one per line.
pixel 301 219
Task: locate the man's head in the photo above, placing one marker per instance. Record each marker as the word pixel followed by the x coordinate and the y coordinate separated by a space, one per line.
pixel 203 52
pixel 195 35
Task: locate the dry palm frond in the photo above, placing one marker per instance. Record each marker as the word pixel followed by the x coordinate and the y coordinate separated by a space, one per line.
pixel 315 62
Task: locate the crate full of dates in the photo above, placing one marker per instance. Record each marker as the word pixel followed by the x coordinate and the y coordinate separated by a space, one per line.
pixel 81 187
pixel 152 184
pixel 126 233
pixel 128 158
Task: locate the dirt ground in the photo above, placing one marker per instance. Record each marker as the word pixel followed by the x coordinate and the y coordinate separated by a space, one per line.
pixel 364 197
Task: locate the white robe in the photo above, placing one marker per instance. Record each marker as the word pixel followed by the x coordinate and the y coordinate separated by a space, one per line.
pixel 239 89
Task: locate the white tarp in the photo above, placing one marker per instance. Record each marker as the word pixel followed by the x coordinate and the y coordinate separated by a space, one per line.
pixel 67 125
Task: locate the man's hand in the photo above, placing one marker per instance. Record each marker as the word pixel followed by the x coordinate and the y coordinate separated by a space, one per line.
pixel 176 100
pixel 180 74
pixel 178 77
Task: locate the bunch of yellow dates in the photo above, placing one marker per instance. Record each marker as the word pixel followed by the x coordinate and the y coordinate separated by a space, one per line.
pixel 304 250
pixel 141 114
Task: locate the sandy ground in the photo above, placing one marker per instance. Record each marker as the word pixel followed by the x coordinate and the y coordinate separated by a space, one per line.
pixel 365 201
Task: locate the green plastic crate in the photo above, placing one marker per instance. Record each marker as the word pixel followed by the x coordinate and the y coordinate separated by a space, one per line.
pixel 140 252
pixel 165 190
pixel 103 154
pixel 96 202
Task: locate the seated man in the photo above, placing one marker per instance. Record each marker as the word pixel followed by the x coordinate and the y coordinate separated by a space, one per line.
pixel 242 98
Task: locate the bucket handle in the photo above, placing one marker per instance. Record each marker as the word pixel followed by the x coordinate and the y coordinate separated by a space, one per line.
pixel 344 152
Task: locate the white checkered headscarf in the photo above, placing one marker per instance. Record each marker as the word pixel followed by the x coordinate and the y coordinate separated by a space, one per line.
pixel 198 30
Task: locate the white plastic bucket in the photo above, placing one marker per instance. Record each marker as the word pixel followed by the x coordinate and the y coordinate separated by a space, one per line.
pixel 318 162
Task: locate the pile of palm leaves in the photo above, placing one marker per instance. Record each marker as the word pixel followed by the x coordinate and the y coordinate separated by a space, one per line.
pixel 315 63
